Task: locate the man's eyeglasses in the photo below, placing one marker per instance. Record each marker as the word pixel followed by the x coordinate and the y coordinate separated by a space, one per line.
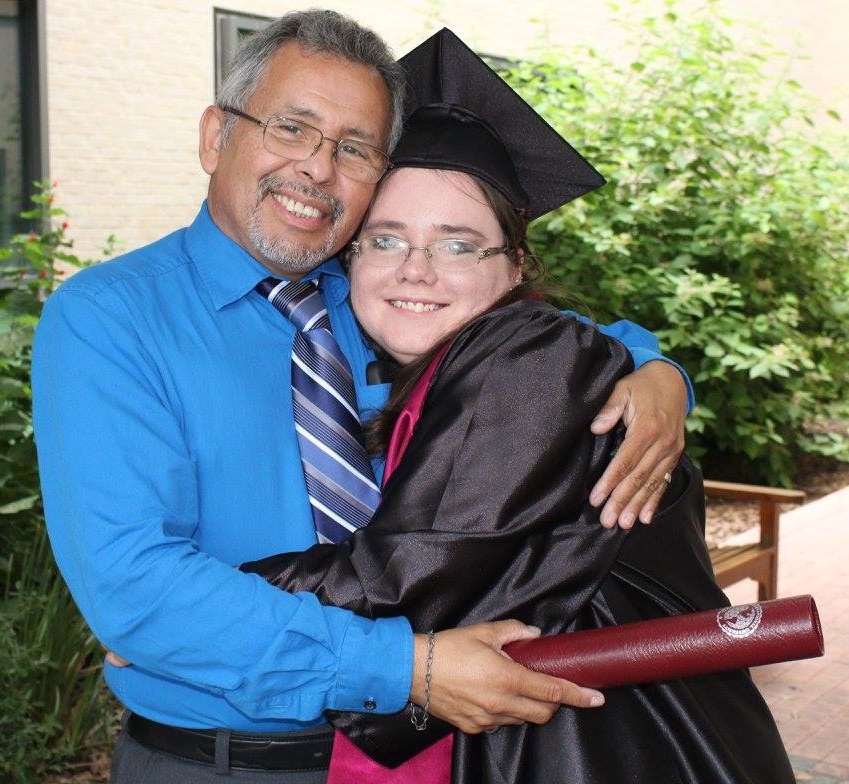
pixel 298 141
pixel 449 254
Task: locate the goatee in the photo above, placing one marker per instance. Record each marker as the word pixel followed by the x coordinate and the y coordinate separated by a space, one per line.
pixel 286 255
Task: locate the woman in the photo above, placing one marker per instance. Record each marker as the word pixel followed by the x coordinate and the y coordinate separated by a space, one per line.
pixel 485 515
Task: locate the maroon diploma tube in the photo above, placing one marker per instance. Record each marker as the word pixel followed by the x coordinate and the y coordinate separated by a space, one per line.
pixel 680 645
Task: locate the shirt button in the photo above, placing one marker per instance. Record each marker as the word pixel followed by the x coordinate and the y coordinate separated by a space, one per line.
pixel 370 704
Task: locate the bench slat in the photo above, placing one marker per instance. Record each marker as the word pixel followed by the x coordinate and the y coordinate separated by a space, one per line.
pixel 741 492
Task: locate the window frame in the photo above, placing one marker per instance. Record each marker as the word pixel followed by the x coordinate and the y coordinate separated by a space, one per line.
pixel 30 15
pixel 230 28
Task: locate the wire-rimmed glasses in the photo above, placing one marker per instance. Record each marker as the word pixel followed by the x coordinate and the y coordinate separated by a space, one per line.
pixel 388 252
pixel 297 140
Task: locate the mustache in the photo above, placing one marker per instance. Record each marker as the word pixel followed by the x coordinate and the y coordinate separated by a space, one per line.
pixel 271 183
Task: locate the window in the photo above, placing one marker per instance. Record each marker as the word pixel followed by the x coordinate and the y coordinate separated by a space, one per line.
pixel 230 30
pixel 20 116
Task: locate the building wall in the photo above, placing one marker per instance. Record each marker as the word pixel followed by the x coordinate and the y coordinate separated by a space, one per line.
pixel 128 80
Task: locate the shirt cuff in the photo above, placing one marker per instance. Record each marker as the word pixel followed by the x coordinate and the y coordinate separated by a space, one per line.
pixel 375 666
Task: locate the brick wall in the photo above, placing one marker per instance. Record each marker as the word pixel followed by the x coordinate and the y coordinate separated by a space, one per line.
pixel 127 82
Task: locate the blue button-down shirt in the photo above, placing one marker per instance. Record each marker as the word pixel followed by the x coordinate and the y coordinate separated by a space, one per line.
pixel 167 454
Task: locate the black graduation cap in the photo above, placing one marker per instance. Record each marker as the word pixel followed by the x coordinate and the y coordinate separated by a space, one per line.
pixel 461 115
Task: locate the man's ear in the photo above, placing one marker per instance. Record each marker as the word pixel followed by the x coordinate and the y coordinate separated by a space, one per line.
pixel 211 123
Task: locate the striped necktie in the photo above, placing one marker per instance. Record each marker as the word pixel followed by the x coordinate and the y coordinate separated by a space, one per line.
pixel 340 482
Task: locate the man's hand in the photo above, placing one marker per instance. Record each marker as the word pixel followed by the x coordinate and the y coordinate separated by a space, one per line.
pixel 115 660
pixel 652 402
pixel 476 687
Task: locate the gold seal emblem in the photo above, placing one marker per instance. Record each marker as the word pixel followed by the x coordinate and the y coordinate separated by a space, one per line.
pixel 740 621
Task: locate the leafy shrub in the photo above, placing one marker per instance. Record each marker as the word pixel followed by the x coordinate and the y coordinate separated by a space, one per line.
pixel 53 705
pixel 722 228
pixel 29 268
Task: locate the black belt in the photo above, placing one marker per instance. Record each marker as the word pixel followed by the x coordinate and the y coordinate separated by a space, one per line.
pixel 305 750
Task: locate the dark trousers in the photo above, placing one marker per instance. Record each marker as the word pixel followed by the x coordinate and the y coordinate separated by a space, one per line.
pixel 133 763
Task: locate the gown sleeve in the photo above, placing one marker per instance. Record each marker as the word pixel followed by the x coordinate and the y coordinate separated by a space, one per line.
pixel 486 516
pixel 644 347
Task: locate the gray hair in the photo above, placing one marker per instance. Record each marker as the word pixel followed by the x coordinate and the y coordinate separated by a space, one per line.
pixel 315 30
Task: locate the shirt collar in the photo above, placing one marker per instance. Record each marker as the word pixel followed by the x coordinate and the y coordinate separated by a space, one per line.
pixel 229 272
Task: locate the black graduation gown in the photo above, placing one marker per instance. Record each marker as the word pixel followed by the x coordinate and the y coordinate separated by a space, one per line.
pixel 486 517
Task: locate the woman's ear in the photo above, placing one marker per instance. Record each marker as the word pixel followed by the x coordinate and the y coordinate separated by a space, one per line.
pixel 211 123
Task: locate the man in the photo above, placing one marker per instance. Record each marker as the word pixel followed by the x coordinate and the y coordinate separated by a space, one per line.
pixel 168 451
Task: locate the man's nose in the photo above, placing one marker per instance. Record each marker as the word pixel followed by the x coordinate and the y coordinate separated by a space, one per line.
pixel 321 165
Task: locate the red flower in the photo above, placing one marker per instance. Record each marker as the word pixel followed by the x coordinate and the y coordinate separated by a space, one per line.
pixel 42 274
pixel 32 238
pixel 65 225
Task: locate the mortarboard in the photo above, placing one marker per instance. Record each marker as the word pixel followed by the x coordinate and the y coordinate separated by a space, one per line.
pixel 461 115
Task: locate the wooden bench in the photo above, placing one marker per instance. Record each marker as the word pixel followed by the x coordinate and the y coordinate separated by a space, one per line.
pixel 758 560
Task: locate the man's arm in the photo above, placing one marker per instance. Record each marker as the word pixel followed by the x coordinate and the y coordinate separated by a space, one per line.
pixel 653 403
pixel 121 499
pixel 122 503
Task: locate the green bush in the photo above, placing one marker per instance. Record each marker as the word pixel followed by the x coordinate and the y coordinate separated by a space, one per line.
pixel 53 705
pixel 722 228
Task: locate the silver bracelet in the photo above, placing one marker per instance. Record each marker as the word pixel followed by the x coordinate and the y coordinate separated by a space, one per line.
pixel 419 716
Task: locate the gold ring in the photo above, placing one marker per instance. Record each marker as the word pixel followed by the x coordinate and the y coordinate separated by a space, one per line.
pixel 667 477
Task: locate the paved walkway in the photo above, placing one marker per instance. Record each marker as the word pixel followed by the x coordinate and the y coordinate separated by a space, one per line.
pixel 810 698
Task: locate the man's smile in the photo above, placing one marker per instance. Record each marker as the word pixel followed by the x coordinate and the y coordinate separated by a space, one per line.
pixel 296 207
